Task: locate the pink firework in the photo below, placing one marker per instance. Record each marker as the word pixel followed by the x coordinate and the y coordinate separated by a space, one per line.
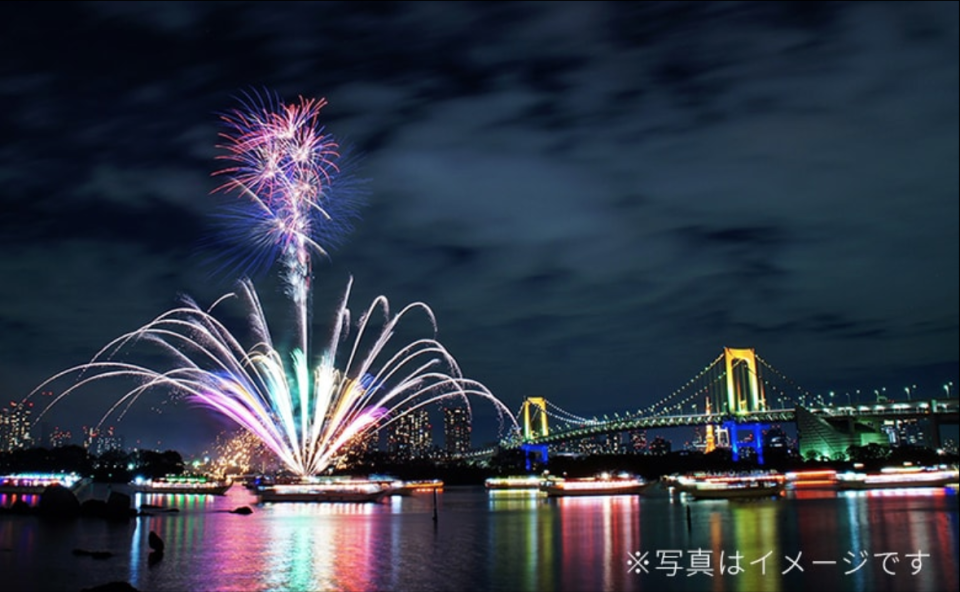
pixel 285 169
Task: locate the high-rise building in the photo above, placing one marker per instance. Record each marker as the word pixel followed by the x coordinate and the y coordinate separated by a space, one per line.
pixel 638 441
pixel 60 437
pixel 411 435
pixel 905 432
pixel 99 441
pixel 456 430
pixel 612 443
pixel 107 439
pixel 775 437
pixel 660 446
pixel 15 426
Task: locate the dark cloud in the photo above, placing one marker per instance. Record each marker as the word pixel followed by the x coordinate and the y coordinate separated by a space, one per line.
pixel 595 198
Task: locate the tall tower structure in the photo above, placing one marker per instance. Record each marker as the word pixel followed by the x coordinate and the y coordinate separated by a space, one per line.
pixel 456 429
pixel 711 443
pixel 15 426
pixel 535 421
pixel 744 390
pixel 411 437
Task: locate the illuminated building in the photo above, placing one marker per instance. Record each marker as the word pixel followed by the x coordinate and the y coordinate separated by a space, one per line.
pixel 638 441
pixel 15 426
pixel 99 441
pixel 456 430
pixel 698 443
pixel 660 446
pixel 60 438
pixel 950 446
pixel 775 437
pixel 613 443
pixel 820 438
pixel 107 440
pixel 411 435
pixel 904 432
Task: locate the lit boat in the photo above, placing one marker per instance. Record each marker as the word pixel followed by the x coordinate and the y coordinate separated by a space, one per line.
pixel 737 486
pixel 602 485
pixel 411 487
pixel 812 479
pixel 325 491
pixel 683 483
pixel 35 483
pixel 186 484
pixel 893 477
pixel 514 482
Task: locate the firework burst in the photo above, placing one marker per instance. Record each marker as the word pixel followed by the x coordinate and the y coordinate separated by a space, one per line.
pixel 305 409
pixel 304 415
pixel 295 193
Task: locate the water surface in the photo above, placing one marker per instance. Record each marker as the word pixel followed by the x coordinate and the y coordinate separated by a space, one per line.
pixel 505 541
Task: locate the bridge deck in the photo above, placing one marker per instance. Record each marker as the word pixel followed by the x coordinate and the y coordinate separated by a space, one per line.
pixel 943 409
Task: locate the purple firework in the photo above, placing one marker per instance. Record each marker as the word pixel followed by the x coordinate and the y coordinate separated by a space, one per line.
pixel 287 172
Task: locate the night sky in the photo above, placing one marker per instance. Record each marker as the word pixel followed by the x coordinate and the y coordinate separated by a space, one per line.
pixel 594 198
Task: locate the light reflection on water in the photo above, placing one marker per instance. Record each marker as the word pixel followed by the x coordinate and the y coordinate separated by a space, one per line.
pixel 501 541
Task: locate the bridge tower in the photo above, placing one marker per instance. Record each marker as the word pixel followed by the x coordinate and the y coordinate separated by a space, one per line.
pixel 744 395
pixel 534 427
pixel 744 391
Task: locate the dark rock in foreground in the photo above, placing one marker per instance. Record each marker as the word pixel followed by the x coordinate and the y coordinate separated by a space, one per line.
pixel 154 558
pixel 57 501
pixel 94 554
pixel 116 507
pixel 119 506
pixel 156 543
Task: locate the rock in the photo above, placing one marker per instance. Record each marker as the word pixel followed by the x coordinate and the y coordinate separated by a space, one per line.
pixel 154 558
pixel 119 506
pixel 156 543
pixel 57 501
pixel 94 554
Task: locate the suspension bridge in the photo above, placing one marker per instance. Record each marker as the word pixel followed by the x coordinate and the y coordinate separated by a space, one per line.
pixel 739 393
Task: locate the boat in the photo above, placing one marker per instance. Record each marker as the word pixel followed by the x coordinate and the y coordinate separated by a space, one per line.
pixel 516 482
pixel 898 477
pixel 35 483
pixel 600 485
pixel 812 479
pixel 259 481
pixel 326 491
pixel 683 483
pixel 749 486
pixel 411 487
pixel 185 484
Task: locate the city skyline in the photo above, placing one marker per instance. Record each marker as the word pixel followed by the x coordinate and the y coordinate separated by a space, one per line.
pixel 595 199
pixel 444 434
